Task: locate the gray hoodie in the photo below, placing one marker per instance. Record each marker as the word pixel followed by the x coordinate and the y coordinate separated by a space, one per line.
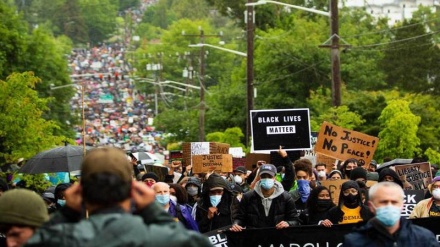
pixel 267 201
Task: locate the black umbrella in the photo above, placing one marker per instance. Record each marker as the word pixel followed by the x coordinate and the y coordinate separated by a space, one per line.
pixel 394 163
pixel 61 159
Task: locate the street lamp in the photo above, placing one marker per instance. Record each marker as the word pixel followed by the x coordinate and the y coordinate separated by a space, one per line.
pixel 220 48
pixel 82 106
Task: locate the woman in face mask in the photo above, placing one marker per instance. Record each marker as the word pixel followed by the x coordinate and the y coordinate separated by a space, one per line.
pixel 347 167
pixel 59 194
pixel 350 208
pixel 193 189
pixel 317 206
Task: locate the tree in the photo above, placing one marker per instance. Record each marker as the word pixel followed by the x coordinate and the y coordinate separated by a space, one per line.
pixel 398 137
pixel 232 136
pixel 23 131
pixel 409 59
pixel 99 16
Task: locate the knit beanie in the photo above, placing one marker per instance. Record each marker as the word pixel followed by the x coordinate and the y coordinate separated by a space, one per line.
pixel 150 175
pixel 106 160
pixel 358 172
pixel 22 207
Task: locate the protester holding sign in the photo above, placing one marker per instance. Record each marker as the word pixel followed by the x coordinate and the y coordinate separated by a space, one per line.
pixel 429 207
pixel 317 206
pixel 388 228
pixel 350 208
pixel 268 205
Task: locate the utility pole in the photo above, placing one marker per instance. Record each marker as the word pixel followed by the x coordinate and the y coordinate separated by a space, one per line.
pixel 334 51
pixel 202 36
pixel 202 89
pixel 250 19
pixel 336 72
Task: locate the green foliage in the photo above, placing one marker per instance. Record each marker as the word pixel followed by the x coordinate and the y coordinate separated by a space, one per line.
pixel 232 136
pixel 433 156
pixel 99 17
pixel 291 64
pixel 398 137
pixel 35 182
pixel 342 116
pixel 23 132
pixel 418 53
pixel 174 146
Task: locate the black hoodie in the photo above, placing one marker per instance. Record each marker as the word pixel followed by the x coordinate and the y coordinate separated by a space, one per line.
pixel 387 171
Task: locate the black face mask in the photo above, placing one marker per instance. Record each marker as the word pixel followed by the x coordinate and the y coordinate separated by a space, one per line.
pixel 350 199
pixel 324 203
pixel 347 173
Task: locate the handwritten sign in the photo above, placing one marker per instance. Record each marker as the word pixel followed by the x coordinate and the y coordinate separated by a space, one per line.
pixel 198 148
pixel 415 176
pixel 342 144
pixel 209 162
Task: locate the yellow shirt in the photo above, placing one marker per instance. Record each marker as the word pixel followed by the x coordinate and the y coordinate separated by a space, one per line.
pixel 351 215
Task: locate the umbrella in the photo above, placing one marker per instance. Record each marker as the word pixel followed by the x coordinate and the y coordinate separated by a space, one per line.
pixel 394 163
pixel 145 158
pixel 61 159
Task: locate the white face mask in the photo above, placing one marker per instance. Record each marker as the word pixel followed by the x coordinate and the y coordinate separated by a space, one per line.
pixel 238 179
pixel 436 194
pixel 321 174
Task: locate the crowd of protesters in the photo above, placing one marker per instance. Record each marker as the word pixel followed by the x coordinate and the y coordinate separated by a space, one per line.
pixel 182 205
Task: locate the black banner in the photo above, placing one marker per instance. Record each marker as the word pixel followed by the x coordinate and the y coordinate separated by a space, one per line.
pixel 300 236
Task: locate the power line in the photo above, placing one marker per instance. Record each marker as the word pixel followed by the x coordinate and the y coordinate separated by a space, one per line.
pixel 392 29
pixel 398 41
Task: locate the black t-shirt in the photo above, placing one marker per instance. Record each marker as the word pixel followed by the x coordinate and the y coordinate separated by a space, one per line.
pixel 434 211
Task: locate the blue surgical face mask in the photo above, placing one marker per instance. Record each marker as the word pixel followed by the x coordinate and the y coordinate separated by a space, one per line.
pixel 215 200
pixel 267 183
pixel 61 202
pixel 163 199
pixel 388 215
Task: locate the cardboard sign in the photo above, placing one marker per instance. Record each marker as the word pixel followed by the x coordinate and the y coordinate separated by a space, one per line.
pixel 200 148
pixel 334 187
pixel 289 128
pixel 329 161
pixel 209 162
pixel 415 176
pixel 343 144
pixel 253 158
